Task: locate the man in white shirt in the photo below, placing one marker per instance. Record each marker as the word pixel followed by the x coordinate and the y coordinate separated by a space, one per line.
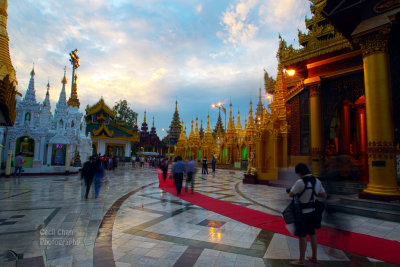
pixel 304 186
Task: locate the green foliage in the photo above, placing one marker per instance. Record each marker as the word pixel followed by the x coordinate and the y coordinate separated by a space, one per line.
pixel 125 113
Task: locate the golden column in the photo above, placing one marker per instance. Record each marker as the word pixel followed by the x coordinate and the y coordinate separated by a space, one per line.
pixel 316 128
pixel 380 132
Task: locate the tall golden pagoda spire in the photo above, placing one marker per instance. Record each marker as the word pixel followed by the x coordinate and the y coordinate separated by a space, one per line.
pixel 239 128
pixel 208 129
pixel 250 123
pixel 153 121
pixel 8 80
pixel 6 67
pixel 144 119
pixel 191 135
pixel 73 100
pixel 196 130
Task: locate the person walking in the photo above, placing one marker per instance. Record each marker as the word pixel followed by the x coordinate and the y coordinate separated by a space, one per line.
pixel 306 188
pixel 19 161
pixel 213 162
pixel 191 169
pixel 204 169
pixel 141 161
pixel 88 174
pixel 164 168
pixel 177 171
pixel 98 176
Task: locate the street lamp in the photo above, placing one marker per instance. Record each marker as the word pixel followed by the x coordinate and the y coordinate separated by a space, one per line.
pixel 220 106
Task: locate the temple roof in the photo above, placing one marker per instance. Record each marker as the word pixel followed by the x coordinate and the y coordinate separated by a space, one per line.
pixel 100 106
pixel 321 38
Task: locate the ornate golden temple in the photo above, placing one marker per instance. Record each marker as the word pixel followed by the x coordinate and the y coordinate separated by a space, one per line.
pixel 332 99
pixel 8 80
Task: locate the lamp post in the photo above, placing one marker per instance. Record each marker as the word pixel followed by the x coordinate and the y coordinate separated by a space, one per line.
pixel 220 106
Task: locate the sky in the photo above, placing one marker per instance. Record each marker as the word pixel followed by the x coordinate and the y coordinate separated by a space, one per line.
pixel 154 52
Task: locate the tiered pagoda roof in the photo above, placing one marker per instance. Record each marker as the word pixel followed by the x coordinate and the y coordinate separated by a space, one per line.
pixel 219 130
pixel 174 128
pixel 321 38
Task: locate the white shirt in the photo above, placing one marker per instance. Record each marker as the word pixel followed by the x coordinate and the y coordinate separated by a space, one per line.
pixel 298 187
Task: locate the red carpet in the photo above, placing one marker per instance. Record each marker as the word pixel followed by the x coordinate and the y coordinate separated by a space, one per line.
pixel 369 246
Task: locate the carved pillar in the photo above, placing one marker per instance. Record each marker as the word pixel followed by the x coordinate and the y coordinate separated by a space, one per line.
pixel 285 150
pixel 37 149
pixel 362 142
pixel 10 158
pixel 316 128
pixel 68 159
pixel 49 154
pixel 379 110
pixel 42 147
pixel 345 130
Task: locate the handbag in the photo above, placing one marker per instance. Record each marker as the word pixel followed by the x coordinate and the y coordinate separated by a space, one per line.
pixel 293 213
pixel 319 209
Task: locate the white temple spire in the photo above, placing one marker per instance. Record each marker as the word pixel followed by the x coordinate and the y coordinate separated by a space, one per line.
pixel 30 95
pixel 62 100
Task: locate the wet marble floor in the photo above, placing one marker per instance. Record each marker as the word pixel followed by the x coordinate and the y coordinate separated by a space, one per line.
pixel 46 221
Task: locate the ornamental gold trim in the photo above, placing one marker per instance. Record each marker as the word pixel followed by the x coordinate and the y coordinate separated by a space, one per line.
pixel 381 150
pixel 374 43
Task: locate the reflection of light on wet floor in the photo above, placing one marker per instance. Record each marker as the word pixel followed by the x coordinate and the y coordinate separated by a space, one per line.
pixel 214 235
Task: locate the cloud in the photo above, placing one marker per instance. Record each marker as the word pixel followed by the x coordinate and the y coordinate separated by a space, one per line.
pixel 282 14
pixel 199 8
pixel 234 21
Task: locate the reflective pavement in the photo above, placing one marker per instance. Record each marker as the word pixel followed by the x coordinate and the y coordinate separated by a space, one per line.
pixel 46 220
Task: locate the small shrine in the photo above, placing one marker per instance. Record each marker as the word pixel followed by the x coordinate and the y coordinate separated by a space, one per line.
pixel 110 136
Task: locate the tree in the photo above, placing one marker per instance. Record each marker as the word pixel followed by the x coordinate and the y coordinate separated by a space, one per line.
pixel 125 113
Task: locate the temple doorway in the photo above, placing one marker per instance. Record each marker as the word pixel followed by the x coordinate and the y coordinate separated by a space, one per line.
pixel 59 151
pixel 26 146
pixel 346 143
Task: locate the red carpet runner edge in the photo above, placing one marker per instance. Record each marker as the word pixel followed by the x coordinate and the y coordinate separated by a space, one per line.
pixel 369 246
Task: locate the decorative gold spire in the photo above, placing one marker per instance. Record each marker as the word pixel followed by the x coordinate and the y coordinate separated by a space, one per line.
pixel 208 129
pixel 176 106
pixel 73 99
pixel 153 121
pixel 33 70
pixel 144 119
pixel 6 67
pixel 196 130
pixel 64 80
pixel 191 135
pixel 238 124
pixel 250 123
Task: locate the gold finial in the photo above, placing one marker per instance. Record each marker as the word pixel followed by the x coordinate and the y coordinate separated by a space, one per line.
pixel 176 106
pixel 64 80
pixel 144 120
pixel 33 70
pixel 153 121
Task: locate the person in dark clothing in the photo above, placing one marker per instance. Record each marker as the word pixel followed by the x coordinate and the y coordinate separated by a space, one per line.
pixel 213 162
pixel 204 170
pixel 164 168
pixel 87 174
pixel 98 176
pixel 178 169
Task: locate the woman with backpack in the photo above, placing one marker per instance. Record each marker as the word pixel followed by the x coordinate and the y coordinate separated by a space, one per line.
pixel 307 189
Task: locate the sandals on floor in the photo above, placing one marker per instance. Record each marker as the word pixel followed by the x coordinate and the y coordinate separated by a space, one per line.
pixel 312 259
